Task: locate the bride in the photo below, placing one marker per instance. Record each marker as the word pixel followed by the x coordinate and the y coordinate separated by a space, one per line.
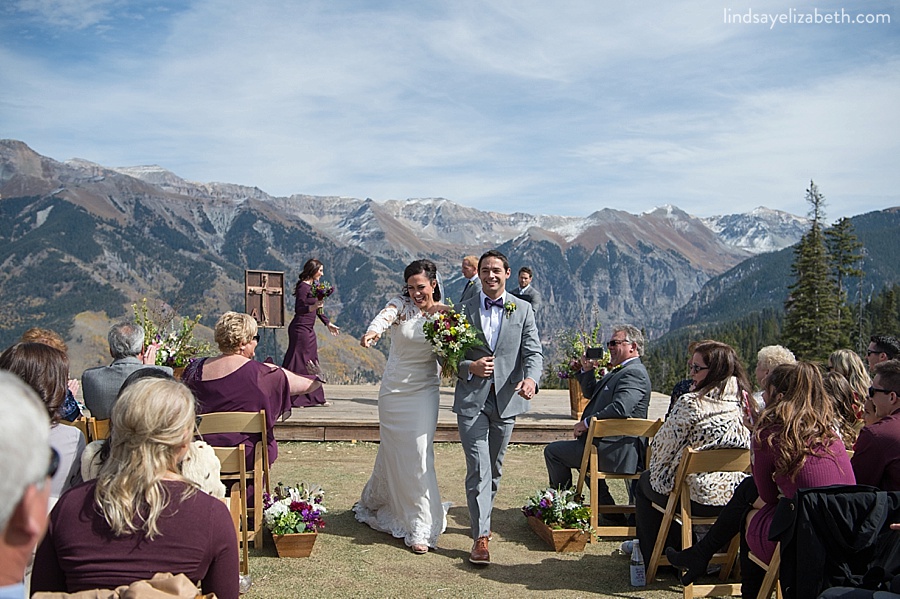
pixel 402 497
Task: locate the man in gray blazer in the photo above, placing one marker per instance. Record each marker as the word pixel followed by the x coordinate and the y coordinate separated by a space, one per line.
pixel 526 290
pixel 101 385
pixel 623 393
pixel 470 274
pixel 494 383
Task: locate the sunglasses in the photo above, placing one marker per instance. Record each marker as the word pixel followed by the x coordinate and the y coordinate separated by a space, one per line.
pixel 874 390
pixel 256 337
pixel 695 368
pixel 614 342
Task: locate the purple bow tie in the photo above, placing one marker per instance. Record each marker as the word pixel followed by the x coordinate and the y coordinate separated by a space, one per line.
pixel 488 303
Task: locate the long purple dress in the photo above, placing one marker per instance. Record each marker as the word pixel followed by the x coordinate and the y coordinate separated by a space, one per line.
pixel 252 387
pixel 302 345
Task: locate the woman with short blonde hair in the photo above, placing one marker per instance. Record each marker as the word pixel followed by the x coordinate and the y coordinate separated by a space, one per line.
pixel 140 516
pixel 233 330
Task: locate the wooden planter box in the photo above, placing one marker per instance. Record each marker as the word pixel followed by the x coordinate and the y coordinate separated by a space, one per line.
pixel 577 401
pixel 562 540
pixel 298 544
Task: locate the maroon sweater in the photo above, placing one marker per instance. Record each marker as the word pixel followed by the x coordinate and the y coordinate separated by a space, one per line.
pixel 80 551
pixel 876 456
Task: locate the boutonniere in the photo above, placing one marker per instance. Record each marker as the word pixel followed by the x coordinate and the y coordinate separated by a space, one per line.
pixel 509 308
pixel 617 368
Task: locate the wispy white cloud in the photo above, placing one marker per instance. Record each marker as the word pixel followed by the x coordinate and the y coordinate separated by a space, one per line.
pixel 77 14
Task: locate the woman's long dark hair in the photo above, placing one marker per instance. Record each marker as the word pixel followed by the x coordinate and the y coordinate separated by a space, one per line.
pixel 310 269
pixel 425 267
pixel 722 363
pixel 44 368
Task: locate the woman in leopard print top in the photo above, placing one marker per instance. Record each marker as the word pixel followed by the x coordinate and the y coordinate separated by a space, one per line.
pixel 709 417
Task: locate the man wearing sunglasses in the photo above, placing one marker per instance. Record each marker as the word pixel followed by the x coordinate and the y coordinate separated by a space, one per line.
pixel 623 393
pixel 881 349
pixel 25 472
pixel 876 459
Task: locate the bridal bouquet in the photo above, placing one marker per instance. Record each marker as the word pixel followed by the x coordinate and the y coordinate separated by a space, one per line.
pixel 294 509
pixel 451 335
pixel 322 290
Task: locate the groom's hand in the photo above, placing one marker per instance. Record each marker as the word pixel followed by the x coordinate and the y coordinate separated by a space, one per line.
pixel 526 388
pixel 483 367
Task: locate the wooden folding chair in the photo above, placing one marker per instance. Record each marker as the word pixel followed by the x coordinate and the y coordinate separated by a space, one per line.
pixel 234 471
pixel 81 423
pixel 611 427
pixel 248 423
pixel 678 509
pixel 99 429
pixel 770 582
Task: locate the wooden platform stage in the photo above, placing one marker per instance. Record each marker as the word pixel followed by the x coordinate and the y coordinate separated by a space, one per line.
pixel 353 416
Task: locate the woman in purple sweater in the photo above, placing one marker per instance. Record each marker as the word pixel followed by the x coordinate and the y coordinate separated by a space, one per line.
pixel 794 446
pixel 140 516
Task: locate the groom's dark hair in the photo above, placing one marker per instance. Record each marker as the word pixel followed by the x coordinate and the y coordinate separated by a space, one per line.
pixel 493 254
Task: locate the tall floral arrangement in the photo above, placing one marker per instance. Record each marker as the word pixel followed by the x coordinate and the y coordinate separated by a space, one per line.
pixel 451 335
pixel 300 508
pixel 557 508
pixel 572 344
pixel 174 337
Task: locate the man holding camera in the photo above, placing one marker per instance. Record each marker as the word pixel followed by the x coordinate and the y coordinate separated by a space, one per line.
pixel 624 392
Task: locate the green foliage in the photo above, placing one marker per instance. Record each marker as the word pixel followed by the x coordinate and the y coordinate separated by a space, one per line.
pixel 812 325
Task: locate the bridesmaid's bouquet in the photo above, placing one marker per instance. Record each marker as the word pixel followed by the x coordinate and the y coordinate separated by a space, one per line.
pixel 322 290
pixel 451 335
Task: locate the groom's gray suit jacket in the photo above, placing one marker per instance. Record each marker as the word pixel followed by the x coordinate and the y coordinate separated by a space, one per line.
pixel 517 356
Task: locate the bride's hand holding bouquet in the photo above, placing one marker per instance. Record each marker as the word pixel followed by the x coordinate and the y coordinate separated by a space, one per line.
pixel 451 336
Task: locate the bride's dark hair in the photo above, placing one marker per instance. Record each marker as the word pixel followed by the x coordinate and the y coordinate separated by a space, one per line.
pixel 425 267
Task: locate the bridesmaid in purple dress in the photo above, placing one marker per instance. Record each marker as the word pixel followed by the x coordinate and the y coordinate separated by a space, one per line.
pixel 234 382
pixel 302 347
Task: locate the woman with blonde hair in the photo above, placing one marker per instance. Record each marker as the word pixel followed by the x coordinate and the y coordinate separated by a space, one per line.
pixel 847 363
pixel 234 382
pixel 847 412
pixel 140 516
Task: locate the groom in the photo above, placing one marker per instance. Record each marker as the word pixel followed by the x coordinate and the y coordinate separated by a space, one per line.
pixel 494 382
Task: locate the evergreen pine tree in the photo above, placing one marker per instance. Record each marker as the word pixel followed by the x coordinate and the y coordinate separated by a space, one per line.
pixel 844 250
pixel 811 327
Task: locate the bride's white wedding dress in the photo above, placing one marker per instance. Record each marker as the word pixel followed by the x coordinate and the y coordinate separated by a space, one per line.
pixel 402 496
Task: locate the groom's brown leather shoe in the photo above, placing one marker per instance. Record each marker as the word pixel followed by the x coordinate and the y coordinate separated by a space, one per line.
pixel 480 554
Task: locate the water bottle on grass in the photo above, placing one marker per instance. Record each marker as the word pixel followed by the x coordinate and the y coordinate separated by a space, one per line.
pixel 638 574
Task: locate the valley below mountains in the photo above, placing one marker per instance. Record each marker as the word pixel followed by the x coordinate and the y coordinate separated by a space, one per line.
pixel 80 243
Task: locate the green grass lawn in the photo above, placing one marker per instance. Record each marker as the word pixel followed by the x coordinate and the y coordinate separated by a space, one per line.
pixel 352 560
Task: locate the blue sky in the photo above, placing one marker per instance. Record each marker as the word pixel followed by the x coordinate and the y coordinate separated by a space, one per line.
pixel 560 107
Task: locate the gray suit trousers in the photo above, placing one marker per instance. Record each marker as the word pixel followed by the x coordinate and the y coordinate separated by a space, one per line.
pixel 484 439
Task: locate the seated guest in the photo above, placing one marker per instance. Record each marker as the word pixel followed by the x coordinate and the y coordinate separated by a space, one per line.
pixel 848 364
pixel 684 385
pixel 70 410
pixel 101 385
pixel 846 411
pixel 881 349
pixel 767 358
pixel 795 446
pixel 24 481
pixel 45 369
pixel 140 517
pixel 876 459
pixel 234 382
pixel 623 393
pixel 707 418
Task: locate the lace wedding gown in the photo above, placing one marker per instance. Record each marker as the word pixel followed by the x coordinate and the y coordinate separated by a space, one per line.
pixel 402 496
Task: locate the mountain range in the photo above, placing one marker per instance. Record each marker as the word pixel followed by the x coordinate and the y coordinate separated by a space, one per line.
pixel 81 242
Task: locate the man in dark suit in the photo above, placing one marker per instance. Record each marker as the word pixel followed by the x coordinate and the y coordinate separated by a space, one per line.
pixel 470 274
pixel 496 380
pixel 526 290
pixel 623 393
pixel 101 385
